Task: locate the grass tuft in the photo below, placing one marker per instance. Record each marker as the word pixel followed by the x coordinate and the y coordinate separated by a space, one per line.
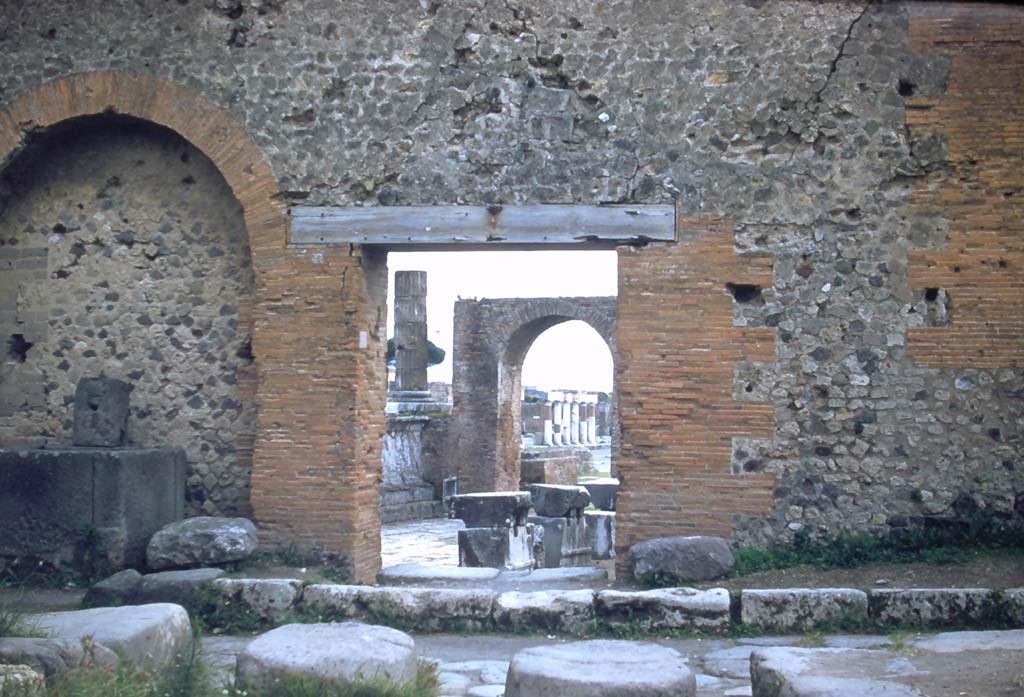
pixel 424 684
pixel 16 623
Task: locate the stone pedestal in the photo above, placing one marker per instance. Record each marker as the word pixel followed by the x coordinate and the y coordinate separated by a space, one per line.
pixel 405 494
pixel 90 510
pixel 560 514
pixel 496 533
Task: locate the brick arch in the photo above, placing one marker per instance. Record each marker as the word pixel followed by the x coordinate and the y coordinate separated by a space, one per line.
pixel 317 341
pixel 492 338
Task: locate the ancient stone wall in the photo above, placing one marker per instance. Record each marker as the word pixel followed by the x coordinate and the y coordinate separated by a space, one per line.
pixel 124 252
pixel 868 152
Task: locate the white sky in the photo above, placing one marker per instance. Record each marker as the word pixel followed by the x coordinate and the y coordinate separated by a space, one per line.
pixel 570 355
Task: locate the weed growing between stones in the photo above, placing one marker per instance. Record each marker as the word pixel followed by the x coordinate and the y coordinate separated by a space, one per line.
pixel 943 544
pixel 16 623
pixel 215 611
pixel 424 684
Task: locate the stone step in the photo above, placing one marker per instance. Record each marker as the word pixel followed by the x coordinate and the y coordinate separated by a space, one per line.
pixel 414 510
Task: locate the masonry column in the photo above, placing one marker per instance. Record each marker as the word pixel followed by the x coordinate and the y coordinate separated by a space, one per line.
pixel 411 336
pixel 574 420
pixel 592 421
pixel 549 437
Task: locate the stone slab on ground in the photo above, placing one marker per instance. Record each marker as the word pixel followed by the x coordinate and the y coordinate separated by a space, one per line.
pixel 431 574
pixel 118 589
pixel 139 633
pixel 270 599
pixel 570 611
pixel 600 669
pixel 331 652
pixel 54 656
pixel 929 607
pixel 430 608
pixel 21 681
pixel 666 608
pixel 698 558
pixel 801 609
pixel 801 672
pixel 958 642
pixel 183 587
pixel 201 541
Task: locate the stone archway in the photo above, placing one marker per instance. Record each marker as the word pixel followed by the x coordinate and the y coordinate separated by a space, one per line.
pixel 318 334
pixel 492 338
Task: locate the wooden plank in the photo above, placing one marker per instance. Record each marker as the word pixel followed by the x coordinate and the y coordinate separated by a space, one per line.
pixel 486 226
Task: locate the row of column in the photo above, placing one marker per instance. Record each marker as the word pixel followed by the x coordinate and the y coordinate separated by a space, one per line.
pixel 570 419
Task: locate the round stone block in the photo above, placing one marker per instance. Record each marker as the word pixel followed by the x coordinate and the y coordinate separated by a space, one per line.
pixel 600 669
pixel 337 652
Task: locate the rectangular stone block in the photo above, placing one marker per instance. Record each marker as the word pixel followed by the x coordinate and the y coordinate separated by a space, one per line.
pixel 101 413
pixel 929 607
pixel 565 541
pixel 802 609
pixel 428 608
pixel 668 608
pixel 90 510
pixel 600 526
pixel 502 548
pixel 494 509
pixel 603 493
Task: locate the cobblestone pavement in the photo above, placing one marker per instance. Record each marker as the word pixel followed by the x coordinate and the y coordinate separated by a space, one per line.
pixel 432 541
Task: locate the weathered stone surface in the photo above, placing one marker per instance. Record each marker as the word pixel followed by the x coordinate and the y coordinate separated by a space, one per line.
pixel 571 611
pixel 600 669
pixel 332 652
pixel 558 500
pixel 564 541
pixel 929 607
pixel 600 533
pixel 201 541
pixel 424 574
pixel 798 672
pixel 49 496
pixel 682 558
pixel 733 662
pixel 548 465
pixel 802 609
pixel 182 587
pixel 670 608
pixel 957 642
pixel 429 608
pixel 269 599
pixel 21 681
pixel 557 578
pixel 603 493
pixel 138 633
pixel 101 413
pixel 53 656
pixel 499 547
pixel 118 589
pixel 1014 602
pixel 493 509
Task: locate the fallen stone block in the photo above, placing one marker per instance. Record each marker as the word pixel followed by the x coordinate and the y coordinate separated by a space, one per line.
pixel 929 607
pixel 119 589
pixel 802 609
pixel 570 611
pixel 798 672
pixel 54 656
pixel 268 599
pixel 201 541
pixel 21 681
pixel 682 558
pixel 600 534
pixel 423 574
pixel 139 633
pixel 669 608
pixel 558 500
pixel 600 669
pixel 332 652
pixel 184 587
pixel 603 493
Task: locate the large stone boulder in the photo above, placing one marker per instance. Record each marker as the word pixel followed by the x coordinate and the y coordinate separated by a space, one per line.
pixel 332 652
pixel 54 656
pixel 140 633
pixel 201 541
pixel 682 558
pixel 600 669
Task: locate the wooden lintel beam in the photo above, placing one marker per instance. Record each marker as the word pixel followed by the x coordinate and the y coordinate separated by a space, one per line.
pixel 483 225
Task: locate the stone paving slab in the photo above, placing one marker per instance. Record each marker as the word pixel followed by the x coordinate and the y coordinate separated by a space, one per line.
pixel 805 672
